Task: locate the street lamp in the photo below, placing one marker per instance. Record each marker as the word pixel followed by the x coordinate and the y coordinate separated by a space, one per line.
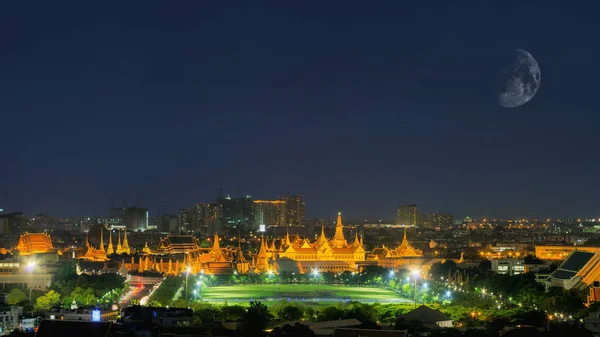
pixel 415 274
pixel 30 267
pixel 187 274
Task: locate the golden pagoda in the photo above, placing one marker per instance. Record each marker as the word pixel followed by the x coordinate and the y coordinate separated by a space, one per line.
pixel 123 248
pixel 110 249
pixel 35 243
pixel 92 253
pixel 334 255
pixel 146 249
pixel 403 254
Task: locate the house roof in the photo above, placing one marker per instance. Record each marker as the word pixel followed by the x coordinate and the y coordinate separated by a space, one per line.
pixel 563 274
pixel 576 261
pixel 182 239
pixel 425 314
pixel 51 328
pixel 350 332
pixel 572 265
pixel 335 324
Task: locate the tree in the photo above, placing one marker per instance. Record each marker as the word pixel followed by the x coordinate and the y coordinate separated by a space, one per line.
pixel 257 317
pixel 16 296
pixel 485 265
pixel 290 312
pixel 155 304
pixel 233 312
pixel 46 302
pixel 297 330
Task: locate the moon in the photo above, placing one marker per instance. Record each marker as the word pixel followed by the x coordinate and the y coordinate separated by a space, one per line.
pixel 520 80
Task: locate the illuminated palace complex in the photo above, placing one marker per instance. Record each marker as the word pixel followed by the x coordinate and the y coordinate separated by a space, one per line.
pixel 176 254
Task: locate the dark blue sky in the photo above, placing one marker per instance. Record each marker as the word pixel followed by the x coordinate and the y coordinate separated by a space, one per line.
pixel 359 108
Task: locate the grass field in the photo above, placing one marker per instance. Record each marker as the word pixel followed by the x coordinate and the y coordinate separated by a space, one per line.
pixel 307 294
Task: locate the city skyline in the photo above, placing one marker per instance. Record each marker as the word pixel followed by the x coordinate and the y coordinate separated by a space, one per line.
pixel 358 109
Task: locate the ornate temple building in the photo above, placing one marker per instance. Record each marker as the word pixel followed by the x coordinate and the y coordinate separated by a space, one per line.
pixel 35 243
pixel 403 255
pixel 178 244
pixel 175 254
pixel 303 256
pixel 101 254
pixel 94 254
pixel 123 248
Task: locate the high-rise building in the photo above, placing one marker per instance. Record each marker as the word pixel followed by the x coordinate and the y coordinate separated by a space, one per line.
pixel 440 219
pixel 14 223
pixel 133 218
pixel 407 215
pixel 204 217
pixel 269 212
pixel 294 209
pixel 236 211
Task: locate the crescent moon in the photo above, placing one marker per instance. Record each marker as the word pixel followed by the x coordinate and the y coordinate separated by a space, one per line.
pixel 521 81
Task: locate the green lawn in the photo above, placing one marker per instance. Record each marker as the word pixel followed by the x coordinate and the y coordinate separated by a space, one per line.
pixel 308 294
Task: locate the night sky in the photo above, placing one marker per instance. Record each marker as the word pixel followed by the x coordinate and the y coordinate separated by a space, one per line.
pixel 359 108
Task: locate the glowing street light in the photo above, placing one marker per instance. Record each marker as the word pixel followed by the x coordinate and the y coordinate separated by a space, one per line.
pixel 392 273
pixel 415 273
pixel 30 267
pixel 188 270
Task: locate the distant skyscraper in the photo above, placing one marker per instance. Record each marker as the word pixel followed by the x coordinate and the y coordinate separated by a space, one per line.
pixel 440 219
pixel 133 218
pixel 407 215
pixel 204 217
pixel 269 212
pixel 294 209
pixel 236 211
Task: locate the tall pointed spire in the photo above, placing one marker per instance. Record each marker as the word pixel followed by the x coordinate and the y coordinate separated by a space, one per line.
pixel 119 247
pixel 356 242
pixel 339 240
pixel 404 238
pixel 216 243
pixel 111 249
pixel 87 240
pixel 287 237
pixel 102 239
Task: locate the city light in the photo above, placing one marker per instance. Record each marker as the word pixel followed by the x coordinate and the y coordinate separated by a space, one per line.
pixel 415 272
pixel 315 273
pixel 188 270
pixel 425 285
pixel 392 273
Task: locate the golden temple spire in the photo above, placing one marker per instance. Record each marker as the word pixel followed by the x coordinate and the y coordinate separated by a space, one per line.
pixel 287 236
pixel 404 238
pixel 102 239
pixel 119 242
pixel 356 241
pixel 216 243
pixel 125 243
pixel 339 240
pixel 111 249
pixel 87 240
